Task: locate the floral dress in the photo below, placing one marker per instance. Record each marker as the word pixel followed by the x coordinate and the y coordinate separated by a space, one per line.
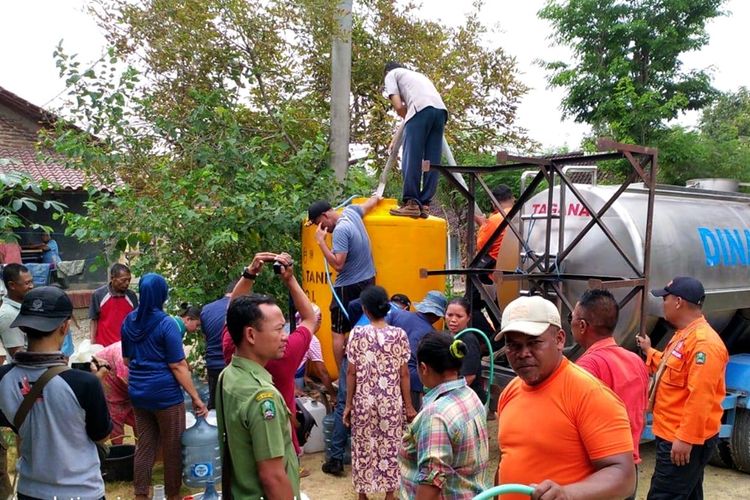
pixel 377 410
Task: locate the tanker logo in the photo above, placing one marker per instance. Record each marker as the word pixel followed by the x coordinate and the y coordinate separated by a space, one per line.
pixel 725 247
pixel 575 209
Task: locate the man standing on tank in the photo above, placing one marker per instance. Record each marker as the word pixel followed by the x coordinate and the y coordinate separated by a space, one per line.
pixel 686 393
pixel 351 258
pixel 416 100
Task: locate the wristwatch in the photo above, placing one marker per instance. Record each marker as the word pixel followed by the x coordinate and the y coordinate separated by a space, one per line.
pixel 247 275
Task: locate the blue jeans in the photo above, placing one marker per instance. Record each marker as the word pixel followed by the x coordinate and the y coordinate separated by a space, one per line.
pixel 340 431
pixel 673 482
pixel 423 140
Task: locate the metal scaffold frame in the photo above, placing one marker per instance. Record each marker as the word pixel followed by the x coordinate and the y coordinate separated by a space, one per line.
pixel 542 274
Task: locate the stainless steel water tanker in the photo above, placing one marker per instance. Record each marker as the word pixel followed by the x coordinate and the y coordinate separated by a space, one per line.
pixel 705 234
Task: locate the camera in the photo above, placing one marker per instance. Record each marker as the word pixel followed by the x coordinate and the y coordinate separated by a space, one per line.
pixel 278 267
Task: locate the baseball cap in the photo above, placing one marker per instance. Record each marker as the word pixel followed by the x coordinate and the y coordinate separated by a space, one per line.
pixel 529 315
pixel 434 303
pixel 686 287
pixel 44 309
pixel 317 209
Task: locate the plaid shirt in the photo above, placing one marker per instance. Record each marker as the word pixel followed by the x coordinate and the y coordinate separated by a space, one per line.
pixel 446 444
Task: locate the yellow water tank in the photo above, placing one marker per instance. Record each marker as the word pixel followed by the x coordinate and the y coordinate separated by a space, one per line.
pixel 401 246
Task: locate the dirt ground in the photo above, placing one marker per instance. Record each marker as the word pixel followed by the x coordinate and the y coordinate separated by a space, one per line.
pixel 718 484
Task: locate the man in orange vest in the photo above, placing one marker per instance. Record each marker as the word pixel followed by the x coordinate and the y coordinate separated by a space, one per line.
pixel 686 393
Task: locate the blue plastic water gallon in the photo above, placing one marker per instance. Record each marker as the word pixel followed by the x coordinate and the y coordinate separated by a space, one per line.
pixel 201 458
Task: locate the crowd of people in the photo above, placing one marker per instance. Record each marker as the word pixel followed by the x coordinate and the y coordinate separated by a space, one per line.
pixel 412 399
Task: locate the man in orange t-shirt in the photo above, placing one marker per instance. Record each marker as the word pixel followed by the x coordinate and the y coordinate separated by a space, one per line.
pixel 487 226
pixel 687 392
pixel 560 429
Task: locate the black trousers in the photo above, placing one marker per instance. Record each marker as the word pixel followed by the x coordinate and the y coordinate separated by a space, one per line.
pixel 672 482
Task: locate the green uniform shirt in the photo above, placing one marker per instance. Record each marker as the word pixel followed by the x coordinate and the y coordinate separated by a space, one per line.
pixel 253 414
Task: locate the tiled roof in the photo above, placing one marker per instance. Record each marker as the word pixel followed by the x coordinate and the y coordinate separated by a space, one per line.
pixel 18 143
pixel 26 161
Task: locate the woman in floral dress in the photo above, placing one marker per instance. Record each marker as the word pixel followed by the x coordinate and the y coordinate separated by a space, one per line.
pixel 378 398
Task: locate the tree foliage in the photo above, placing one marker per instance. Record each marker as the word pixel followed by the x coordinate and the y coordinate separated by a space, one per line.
pixel 209 119
pixel 627 79
pixel 720 147
pixel 278 53
pixel 19 192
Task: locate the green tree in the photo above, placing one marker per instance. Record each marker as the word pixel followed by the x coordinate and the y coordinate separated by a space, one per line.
pixel 626 79
pixel 19 192
pixel 728 118
pixel 720 147
pixel 278 53
pixel 217 143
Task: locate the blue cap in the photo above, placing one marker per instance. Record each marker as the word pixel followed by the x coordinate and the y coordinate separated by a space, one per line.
pixel 685 287
pixel 434 303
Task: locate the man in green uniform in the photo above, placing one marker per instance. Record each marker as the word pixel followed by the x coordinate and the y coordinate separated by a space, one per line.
pixel 253 419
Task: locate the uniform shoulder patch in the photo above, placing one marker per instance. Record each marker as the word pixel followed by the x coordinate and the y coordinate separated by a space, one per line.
pixel 268 409
pixel 264 395
pixel 700 358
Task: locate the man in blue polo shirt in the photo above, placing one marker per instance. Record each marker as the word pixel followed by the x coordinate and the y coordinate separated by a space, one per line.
pixel 213 318
pixel 417 325
pixel 351 258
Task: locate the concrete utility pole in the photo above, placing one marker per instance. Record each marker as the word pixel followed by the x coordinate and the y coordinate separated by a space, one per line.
pixel 341 75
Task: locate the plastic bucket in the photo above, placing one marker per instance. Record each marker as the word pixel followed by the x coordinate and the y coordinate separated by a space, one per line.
pixel 118 466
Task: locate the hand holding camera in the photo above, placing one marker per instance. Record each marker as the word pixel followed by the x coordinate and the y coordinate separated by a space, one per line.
pixel 282 266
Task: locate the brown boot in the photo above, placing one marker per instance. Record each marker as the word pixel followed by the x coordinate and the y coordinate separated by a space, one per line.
pixel 408 209
pixel 425 212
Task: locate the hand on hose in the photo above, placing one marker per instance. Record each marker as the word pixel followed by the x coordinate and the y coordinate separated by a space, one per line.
pixel 549 490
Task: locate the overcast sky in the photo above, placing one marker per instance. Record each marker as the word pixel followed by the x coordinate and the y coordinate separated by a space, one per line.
pixel 30 30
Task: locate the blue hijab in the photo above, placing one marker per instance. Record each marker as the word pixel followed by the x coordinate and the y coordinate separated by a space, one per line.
pixel 153 292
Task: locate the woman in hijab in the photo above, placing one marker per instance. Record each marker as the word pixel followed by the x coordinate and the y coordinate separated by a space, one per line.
pixel 152 348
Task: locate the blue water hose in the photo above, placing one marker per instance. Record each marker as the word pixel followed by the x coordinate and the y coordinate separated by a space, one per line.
pixel 492 362
pixel 504 489
pixel 333 290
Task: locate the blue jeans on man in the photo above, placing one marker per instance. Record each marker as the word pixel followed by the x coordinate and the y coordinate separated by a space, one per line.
pixel 340 431
pixel 335 453
pixel 423 140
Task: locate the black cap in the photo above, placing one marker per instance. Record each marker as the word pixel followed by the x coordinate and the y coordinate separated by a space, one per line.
pixel 317 209
pixel 44 309
pixel 686 287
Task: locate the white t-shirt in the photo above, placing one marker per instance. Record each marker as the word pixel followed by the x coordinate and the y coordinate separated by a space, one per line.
pixel 415 89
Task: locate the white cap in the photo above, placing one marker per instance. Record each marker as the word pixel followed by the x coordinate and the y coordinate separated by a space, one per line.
pixel 529 315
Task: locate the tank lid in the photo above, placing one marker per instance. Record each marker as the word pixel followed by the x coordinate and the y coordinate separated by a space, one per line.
pixel 714 184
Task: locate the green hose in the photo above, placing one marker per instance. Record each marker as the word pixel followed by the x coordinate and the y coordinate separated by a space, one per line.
pixel 505 489
pixel 492 362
